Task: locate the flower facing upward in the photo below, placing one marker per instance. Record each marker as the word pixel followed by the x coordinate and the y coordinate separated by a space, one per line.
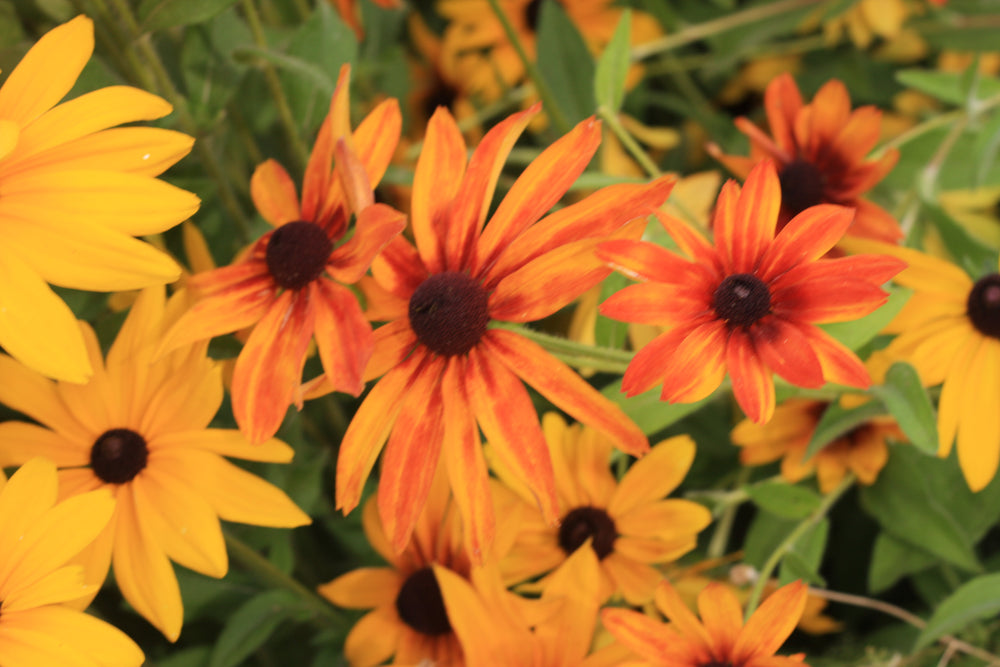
pixel 445 370
pixel 74 191
pixel 139 429
pixel 720 638
pixel 629 524
pixel 820 150
pixel 37 538
pixel 290 285
pixel 748 305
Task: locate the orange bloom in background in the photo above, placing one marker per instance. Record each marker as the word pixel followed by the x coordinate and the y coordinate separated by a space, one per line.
pixel 720 637
pixel 863 450
pixel 350 12
pixel 291 284
pixel 749 305
pixel 819 150
pixel 629 524
pixel 446 370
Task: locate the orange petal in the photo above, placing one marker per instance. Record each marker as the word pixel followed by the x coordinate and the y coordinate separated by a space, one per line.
pixel 646 368
pixel 722 617
pixel 651 639
pixel 830 111
pixel 653 476
pixel 692 243
pixel 786 351
pixel 642 260
pixel 753 387
pixel 376 138
pixel 771 624
pixel 696 366
pixel 393 343
pixel 343 336
pixel 782 102
pixel 675 609
pixel 399 269
pixel 273 193
pixel 376 226
pixel 318 175
pixel 839 364
pixel 806 238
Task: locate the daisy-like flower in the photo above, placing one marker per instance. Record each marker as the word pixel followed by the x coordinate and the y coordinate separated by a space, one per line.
pixel 37 538
pixel 76 190
pixel 720 637
pixel 749 305
pixel 949 330
pixel 291 286
pixel 819 149
pixel 863 450
pixel 445 368
pixel 629 525
pixel 139 428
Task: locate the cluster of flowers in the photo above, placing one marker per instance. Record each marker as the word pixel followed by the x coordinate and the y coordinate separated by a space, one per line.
pixel 120 468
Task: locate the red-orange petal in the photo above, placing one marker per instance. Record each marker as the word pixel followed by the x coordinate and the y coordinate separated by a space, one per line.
pixel 839 364
pixel 782 102
pixel 807 237
pixel 647 367
pixel 343 336
pixel 393 343
pixel 398 268
pixel 753 387
pixel 657 304
pixel 754 219
pixel 642 260
pixel 783 348
pixel 376 226
pixel 836 300
pixel 273 193
pixel 318 175
pixel 692 243
pixel 696 366
pixel 649 638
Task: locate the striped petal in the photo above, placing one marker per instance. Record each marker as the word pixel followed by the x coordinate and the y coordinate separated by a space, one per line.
pixel 438 175
pixel 343 336
pixel 806 238
pixel 753 387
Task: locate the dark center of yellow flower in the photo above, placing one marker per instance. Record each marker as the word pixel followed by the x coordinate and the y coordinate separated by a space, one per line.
pixel 449 313
pixel 802 186
pixel 742 299
pixel 296 253
pixel 118 455
pixel 420 605
pixel 983 305
pixel 586 522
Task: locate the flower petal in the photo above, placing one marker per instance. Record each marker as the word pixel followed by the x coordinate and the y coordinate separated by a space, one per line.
pixel 343 336
pixel 364 588
pixel 722 617
pixel 28 392
pixel 786 351
pixel 82 635
pixel 653 476
pixel 147 151
pixel 979 426
pixel 696 366
pixel 769 626
pixel 753 387
pixel 753 220
pixel 273 193
pixel 806 238
pixel 376 226
pixel 22 441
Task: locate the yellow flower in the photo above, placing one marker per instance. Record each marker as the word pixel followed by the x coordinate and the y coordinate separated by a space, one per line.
pixel 37 538
pixel 75 191
pixel 140 429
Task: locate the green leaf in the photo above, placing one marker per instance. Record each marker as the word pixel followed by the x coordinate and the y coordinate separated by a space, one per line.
pixel 250 626
pixel 766 532
pixel 159 14
pixel 892 560
pixel 608 332
pixel 647 410
pixel 612 66
pixel 975 257
pixel 565 63
pixel 907 400
pixel 804 558
pixel 782 499
pixel 858 332
pixel 836 421
pixel 975 600
pixel 950 87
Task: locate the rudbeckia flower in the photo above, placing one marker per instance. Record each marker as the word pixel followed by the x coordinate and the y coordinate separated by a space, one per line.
pixel 720 637
pixel 291 286
pixel 863 450
pixel 749 305
pixel 629 525
pixel 37 538
pixel 949 330
pixel 446 369
pixel 139 428
pixel 76 190
pixel 819 149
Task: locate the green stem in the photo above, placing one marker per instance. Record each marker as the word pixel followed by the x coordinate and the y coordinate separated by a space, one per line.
pixel 628 141
pixel 789 542
pixel 575 354
pixel 324 614
pixel 724 527
pixel 544 92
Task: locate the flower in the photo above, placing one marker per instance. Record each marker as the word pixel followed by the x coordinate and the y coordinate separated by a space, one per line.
pixel 445 368
pixel 629 526
pixel 350 12
pixel 747 306
pixel 291 284
pixel 820 150
pixel 37 538
pixel 949 331
pixel 139 429
pixel 862 450
pixel 76 190
pixel 720 638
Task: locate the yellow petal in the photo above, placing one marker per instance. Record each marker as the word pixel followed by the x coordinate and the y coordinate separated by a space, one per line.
pixel 364 588
pixel 30 393
pixel 655 475
pixel 86 636
pixel 227 442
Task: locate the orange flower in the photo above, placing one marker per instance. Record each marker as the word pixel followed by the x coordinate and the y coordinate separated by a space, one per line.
pixel 350 12
pixel 291 282
pixel 445 369
pixel 748 305
pixel 720 638
pixel 820 151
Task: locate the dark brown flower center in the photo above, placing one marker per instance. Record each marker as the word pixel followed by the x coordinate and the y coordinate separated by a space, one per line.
pixel 802 186
pixel 420 604
pixel 742 299
pixel 449 313
pixel 983 305
pixel 297 253
pixel 582 523
pixel 118 455
pixel 531 13
pixel 715 663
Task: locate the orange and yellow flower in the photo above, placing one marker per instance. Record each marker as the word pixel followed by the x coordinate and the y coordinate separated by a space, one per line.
pixel 720 637
pixel 749 305
pixel 820 149
pixel 445 368
pixel 291 285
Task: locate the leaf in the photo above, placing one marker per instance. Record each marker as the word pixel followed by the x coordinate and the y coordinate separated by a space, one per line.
pixel 782 499
pixel 836 421
pixel 951 87
pixel 612 66
pixel 858 332
pixel 608 332
pixel 975 257
pixel 975 600
pixel 766 532
pixel 647 410
pixel 804 558
pixel 907 400
pixel 892 560
pixel 159 14
pixel 250 626
pixel 565 63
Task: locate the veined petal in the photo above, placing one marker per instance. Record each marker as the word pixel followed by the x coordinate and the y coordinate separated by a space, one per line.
pixel 273 193
pixel 753 387
pixel 558 383
pixel 642 260
pixel 772 623
pixel 786 351
pixel 646 368
pixel 924 273
pixel 836 300
pixel 343 336
pixel 20 441
pixel 647 637
pixel 673 607
pixel 658 304
pixel 722 617
pixel 754 220
pixel 653 476
pixel 839 364
pixel 691 242
pixel 696 366
pixel 806 238
pixel 438 175
pixel 399 269
pixel 375 139
pixel 782 102
pixel 147 151
pixel 376 226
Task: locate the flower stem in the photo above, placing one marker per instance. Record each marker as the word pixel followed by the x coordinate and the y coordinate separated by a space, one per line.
pixel 628 141
pixel 789 542
pixel 579 355
pixel 544 92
